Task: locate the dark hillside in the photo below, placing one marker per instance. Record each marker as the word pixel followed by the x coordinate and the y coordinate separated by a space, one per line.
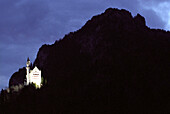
pixel 114 63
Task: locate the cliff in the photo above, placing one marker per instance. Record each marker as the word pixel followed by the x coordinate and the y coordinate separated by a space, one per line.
pixel 114 63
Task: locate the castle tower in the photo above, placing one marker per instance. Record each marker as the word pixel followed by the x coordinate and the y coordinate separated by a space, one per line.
pixel 28 73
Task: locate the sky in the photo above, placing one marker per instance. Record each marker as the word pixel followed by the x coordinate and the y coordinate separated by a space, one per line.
pixel 25 25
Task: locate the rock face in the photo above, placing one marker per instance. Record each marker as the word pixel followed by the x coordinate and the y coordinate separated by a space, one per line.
pixel 114 63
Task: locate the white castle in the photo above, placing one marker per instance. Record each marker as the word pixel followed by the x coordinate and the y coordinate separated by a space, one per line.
pixel 33 76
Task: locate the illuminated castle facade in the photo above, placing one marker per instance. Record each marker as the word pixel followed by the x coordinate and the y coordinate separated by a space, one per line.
pixel 33 76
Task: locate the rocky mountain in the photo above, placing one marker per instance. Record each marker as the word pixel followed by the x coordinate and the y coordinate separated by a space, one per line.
pixel 114 63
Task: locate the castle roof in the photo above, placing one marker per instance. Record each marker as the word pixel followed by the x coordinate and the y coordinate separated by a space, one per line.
pixel 28 59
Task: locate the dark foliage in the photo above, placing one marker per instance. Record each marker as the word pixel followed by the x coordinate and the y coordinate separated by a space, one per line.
pixel 114 63
pixel 18 77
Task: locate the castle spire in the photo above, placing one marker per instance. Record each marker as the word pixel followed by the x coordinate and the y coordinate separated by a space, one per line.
pixel 28 62
pixel 28 71
pixel 28 59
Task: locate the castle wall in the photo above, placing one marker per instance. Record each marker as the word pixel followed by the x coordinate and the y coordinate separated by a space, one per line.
pixel 35 76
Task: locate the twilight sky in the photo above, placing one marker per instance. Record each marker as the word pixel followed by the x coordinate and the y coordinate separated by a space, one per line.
pixel 25 25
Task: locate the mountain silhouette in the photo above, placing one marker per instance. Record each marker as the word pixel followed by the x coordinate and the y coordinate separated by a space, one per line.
pixel 113 64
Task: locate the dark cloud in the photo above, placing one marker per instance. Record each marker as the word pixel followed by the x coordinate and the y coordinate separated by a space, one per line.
pixel 152 2
pixel 21 17
pixel 131 5
pixel 25 25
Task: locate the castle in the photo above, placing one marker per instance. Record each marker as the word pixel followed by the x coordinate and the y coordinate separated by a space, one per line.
pixel 33 76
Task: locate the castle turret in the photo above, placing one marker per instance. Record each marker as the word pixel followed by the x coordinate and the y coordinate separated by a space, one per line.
pixel 28 69
pixel 33 76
